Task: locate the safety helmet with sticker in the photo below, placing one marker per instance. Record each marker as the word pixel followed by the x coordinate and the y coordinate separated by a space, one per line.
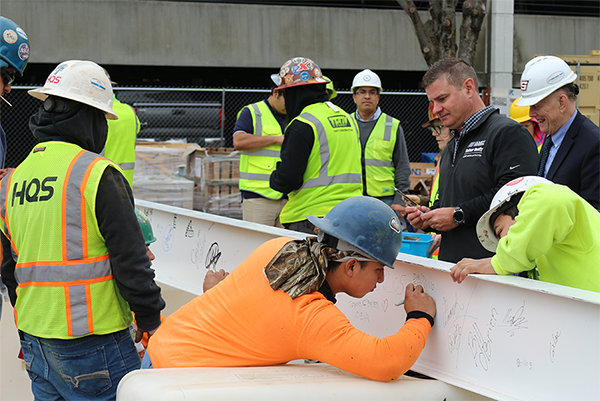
pixel 366 78
pixel 542 76
pixel 365 223
pixel 485 229
pixel 81 81
pixel 14 46
pixel 299 71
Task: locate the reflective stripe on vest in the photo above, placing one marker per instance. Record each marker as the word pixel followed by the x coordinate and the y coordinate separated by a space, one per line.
pixel 79 266
pixel 120 141
pixel 324 179
pixel 333 172
pixel 379 151
pixel 257 165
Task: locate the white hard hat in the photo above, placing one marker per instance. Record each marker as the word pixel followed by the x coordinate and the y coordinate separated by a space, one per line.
pixel 542 76
pixel 81 81
pixel 366 78
pixel 485 230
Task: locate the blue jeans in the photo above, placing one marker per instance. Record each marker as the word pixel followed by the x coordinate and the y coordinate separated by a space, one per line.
pixel 86 368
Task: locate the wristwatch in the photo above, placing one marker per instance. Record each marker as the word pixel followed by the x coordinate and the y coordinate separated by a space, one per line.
pixel 459 216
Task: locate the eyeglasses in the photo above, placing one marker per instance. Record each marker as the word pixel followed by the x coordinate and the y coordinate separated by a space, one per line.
pixel 371 92
pixel 436 129
pixel 7 77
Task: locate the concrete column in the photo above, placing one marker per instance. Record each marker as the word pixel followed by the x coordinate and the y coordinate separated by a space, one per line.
pixel 502 31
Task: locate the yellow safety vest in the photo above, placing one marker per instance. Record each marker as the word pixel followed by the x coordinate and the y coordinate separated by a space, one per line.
pixel 257 165
pixel 379 150
pixel 334 171
pixel 120 142
pixel 66 288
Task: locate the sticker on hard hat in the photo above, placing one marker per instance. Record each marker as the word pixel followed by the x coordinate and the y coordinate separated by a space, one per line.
pixel 9 36
pixel 524 85
pixel 23 51
pixel 22 33
pixel 555 77
pixel 394 224
pixel 367 78
pixel 317 72
pixel 515 181
pixel 288 79
pixel 97 83
pixel 305 76
pixel 303 66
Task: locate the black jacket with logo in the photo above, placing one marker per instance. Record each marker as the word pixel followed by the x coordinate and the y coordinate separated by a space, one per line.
pixel 495 151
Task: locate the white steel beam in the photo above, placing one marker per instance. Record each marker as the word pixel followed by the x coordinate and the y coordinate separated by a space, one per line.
pixel 503 337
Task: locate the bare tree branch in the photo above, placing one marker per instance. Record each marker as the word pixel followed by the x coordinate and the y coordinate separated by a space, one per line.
pixel 437 36
pixel 422 36
pixel 473 16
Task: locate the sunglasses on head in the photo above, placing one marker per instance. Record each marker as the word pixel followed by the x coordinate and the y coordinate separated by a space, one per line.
pixel 7 77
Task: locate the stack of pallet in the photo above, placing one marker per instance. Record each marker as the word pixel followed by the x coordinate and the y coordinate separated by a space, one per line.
pixel 215 172
pixel 159 174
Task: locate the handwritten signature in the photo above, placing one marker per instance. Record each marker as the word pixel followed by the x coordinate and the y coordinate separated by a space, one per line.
pixel 514 321
pixel 553 344
pixel 451 312
pixel 481 347
pixel 453 337
pixel 212 256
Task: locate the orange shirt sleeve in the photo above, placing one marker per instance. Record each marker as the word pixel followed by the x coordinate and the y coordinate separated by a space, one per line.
pixel 329 337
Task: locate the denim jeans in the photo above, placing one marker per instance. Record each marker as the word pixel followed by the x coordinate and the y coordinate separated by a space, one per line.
pixel 86 368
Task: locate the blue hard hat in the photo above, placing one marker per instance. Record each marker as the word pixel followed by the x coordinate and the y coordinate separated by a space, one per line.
pixel 365 223
pixel 14 46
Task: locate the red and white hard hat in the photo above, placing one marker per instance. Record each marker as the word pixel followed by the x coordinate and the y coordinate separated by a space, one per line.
pixel 81 81
pixel 298 71
pixel 542 76
pixel 485 229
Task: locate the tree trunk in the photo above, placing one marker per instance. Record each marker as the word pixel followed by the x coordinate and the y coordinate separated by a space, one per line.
pixel 437 36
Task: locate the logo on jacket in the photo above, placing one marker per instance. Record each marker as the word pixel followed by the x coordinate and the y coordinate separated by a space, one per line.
pixel 339 121
pixel 475 149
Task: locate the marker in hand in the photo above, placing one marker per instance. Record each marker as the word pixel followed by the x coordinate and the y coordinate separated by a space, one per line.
pixel 400 303
pixel 406 198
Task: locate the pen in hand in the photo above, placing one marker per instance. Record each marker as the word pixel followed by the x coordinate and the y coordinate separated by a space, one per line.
pixel 400 303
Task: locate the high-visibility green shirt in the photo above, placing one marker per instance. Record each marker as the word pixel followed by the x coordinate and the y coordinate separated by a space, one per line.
pixel 333 172
pixel 120 142
pixel 557 231
pixel 66 288
pixel 257 165
pixel 380 171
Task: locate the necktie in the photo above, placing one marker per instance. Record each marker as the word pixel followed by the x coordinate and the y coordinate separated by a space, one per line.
pixel 544 155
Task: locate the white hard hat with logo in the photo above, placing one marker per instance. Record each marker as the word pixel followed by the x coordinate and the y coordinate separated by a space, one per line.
pixel 366 78
pixel 81 81
pixel 485 229
pixel 542 76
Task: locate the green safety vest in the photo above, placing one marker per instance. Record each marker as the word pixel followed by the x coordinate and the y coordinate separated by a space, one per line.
pixel 333 172
pixel 66 288
pixel 120 142
pixel 379 150
pixel 257 165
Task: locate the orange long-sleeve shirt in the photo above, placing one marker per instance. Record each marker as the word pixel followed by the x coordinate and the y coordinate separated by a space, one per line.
pixel 243 322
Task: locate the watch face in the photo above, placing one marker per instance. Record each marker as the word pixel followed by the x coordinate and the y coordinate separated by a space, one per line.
pixel 459 216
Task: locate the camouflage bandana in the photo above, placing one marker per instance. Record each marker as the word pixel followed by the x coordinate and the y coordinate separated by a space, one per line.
pixel 299 267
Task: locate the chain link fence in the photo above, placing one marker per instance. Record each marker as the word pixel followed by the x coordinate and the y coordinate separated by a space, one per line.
pixel 206 116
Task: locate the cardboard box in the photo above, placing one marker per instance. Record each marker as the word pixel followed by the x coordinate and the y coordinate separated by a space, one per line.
pixel 421 173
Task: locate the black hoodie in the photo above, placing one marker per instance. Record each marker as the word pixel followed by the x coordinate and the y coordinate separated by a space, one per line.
pixel 298 140
pixel 86 127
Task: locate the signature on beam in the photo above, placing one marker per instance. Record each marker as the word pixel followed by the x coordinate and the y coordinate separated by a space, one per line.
pixel 553 344
pixel 514 321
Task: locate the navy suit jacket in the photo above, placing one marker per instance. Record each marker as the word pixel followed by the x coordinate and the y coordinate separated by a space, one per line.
pixel 577 162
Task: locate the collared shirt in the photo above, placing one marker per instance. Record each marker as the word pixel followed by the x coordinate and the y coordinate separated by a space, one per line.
pixel 374 117
pixel 468 125
pixel 557 139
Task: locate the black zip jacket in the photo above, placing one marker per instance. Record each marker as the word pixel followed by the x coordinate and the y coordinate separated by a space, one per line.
pixel 495 151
